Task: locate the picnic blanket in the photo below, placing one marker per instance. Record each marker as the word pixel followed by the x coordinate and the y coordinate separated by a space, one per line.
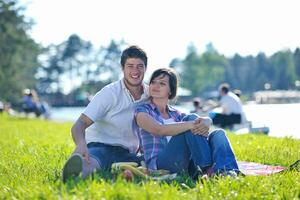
pixel 130 169
pixel 258 169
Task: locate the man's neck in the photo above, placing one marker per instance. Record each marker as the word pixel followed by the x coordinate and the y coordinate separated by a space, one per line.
pixel 135 91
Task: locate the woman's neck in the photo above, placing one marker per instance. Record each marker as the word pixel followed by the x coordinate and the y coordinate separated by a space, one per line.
pixel 161 104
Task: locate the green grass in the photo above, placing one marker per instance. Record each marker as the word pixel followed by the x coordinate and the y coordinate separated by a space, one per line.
pixel 33 152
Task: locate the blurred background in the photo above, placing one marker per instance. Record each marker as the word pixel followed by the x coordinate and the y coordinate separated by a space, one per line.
pixel 62 52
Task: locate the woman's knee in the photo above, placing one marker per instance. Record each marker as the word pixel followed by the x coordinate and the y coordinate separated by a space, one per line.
pixel 217 135
pixel 190 117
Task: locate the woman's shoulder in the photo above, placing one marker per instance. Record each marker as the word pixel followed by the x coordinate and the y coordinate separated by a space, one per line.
pixel 145 105
pixel 173 109
pixel 176 113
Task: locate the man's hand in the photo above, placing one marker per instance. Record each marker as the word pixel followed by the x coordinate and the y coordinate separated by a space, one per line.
pixel 201 126
pixel 78 134
pixel 82 149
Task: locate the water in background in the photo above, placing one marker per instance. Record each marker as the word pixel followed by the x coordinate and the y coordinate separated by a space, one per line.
pixel 282 119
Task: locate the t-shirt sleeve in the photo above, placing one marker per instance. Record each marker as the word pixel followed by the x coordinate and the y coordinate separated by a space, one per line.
pixel 181 115
pixel 100 104
pixel 141 108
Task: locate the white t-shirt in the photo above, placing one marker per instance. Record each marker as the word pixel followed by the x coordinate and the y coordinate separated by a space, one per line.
pixel 231 104
pixel 168 121
pixel 112 110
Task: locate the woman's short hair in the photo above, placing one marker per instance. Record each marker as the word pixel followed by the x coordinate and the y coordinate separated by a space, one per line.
pixel 173 79
pixel 133 52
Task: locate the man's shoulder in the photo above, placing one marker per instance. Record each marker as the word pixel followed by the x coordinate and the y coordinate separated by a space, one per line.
pixel 111 88
pixel 117 85
pixel 233 96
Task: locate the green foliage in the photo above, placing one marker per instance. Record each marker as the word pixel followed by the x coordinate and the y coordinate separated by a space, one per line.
pixel 75 59
pixel 108 61
pixel 63 63
pixel 204 72
pixel 33 153
pixel 297 62
pixel 18 52
pixel 284 69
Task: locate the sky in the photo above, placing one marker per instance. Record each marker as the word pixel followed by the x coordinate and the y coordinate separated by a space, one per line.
pixel 165 28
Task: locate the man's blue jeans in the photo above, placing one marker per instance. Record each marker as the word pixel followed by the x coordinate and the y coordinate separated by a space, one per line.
pixel 214 150
pixel 107 154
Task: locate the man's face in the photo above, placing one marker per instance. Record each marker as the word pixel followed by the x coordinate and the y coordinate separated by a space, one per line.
pixel 134 70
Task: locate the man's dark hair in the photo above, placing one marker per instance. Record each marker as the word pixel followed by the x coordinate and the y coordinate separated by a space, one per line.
pixel 225 87
pixel 196 102
pixel 133 52
pixel 173 79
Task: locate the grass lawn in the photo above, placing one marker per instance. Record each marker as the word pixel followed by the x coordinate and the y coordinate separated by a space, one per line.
pixel 33 152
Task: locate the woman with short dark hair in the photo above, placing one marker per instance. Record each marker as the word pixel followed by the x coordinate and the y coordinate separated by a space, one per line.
pixel 191 147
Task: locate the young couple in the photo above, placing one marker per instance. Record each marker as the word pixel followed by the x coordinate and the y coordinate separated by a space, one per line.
pixel 107 132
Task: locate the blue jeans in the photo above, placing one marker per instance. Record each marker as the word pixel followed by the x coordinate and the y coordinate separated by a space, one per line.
pixel 214 150
pixel 107 154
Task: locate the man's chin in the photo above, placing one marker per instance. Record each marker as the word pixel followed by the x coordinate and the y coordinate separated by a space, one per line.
pixel 134 82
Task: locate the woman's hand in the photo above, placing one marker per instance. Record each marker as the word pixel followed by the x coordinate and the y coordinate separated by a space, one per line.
pixel 201 126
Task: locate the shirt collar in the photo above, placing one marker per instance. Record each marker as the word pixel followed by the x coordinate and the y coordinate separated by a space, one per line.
pixel 169 108
pixel 145 89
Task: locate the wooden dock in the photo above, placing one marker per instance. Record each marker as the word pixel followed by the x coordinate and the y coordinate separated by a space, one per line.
pixel 277 96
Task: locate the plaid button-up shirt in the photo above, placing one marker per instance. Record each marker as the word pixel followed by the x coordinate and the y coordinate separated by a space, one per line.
pixel 151 144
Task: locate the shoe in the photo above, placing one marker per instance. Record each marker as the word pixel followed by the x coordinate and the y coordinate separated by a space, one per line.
pixel 73 167
pixel 295 166
pixel 197 173
pixel 203 172
pixel 229 173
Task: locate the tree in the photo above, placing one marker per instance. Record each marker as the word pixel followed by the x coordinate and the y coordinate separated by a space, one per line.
pixel 108 62
pixel 201 73
pixel 237 72
pixel 64 63
pixel 263 72
pixel 73 68
pixel 285 72
pixel 50 70
pixel 297 62
pixel 75 55
pixel 18 52
pixel 189 71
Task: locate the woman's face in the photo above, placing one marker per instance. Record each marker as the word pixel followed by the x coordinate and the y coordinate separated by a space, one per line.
pixel 159 87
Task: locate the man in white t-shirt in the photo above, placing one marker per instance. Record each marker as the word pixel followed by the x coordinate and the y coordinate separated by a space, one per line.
pixel 231 108
pixel 104 133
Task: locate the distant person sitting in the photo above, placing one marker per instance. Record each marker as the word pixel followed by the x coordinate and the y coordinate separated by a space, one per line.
pixel 198 107
pixel 231 108
pixel 28 104
pixel 237 92
pixel 31 103
pixel 1 107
